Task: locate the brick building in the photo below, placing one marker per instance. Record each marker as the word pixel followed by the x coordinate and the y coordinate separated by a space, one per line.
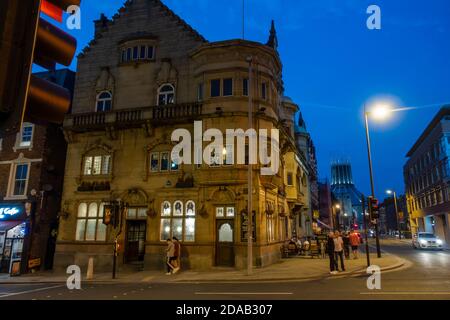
pixel 32 162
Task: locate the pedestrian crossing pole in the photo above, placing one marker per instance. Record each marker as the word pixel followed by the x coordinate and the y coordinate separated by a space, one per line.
pixel 366 239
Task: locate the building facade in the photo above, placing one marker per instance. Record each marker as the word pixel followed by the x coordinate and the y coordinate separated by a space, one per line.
pixel 31 177
pixel 427 178
pixel 346 194
pixel 146 74
pixel 390 224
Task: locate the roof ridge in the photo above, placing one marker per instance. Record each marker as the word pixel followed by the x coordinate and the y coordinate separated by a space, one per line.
pixel 126 5
pixel 181 21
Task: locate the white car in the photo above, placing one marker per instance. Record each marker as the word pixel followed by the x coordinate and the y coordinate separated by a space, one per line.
pixel 426 240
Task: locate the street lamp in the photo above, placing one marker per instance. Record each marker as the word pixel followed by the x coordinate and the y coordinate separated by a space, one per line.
pixel 250 174
pixel 390 192
pixel 379 112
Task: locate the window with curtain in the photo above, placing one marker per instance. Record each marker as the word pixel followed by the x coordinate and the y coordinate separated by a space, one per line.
pixel 178 220
pixel 94 165
pixel 90 225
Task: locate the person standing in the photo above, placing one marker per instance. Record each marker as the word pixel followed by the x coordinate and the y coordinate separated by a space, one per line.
pixel 170 254
pixel 331 255
pixel 354 242
pixel 346 239
pixel 339 249
pixel 177 254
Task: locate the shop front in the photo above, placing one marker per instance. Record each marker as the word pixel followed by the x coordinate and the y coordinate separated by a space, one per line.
pixel 13 238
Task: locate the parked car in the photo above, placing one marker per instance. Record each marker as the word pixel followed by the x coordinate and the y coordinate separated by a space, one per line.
pixel 426 240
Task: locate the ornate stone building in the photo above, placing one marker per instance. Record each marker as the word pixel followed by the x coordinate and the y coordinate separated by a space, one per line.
pixel 146 74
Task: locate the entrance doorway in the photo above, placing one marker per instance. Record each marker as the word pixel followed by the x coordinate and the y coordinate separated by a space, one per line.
pixel 135 242
pixel 225 243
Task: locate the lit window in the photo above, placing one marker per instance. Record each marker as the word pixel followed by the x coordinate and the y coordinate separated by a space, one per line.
pixel 178 223
pixel 228 155
pixel 97 165
pixel 20 179
pixel 104 101
pixel 227 87
pixel 225 212
pixel 215 88
pixel 166 95
pixel 90 225
pixel 26 135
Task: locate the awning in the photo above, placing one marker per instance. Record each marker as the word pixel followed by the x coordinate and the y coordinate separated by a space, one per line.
pixel 323 224
pixel 8 225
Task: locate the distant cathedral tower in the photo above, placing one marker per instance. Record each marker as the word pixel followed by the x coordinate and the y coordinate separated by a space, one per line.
pixel 341 173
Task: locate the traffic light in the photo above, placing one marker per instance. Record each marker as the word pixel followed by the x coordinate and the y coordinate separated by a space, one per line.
pixel 111 214
pixel 374 209
pixel 31 39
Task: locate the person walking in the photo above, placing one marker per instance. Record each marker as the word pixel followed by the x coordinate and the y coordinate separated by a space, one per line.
pixel 170 255
pixel 339 249
pixel 346 239
pixel 331 255
pixel 177 254
pixel 354 242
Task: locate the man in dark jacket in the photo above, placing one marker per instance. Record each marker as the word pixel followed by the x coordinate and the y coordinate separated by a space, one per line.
pixel 330 252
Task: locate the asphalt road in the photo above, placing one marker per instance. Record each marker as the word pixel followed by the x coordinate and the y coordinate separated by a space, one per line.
pixel 428 277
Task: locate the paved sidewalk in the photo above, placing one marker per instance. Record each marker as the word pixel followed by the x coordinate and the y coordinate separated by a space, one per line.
pixel 292 269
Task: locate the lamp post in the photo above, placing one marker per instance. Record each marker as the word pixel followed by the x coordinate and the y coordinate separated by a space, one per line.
pixel 380 113
pixel 390 192
pixel 250 181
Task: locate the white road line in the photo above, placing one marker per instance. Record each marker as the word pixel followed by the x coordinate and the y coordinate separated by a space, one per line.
pixel 406 293
pixel 244 293
pixel 29 291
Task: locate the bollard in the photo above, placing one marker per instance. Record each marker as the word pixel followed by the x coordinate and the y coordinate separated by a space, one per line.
pixel 90 270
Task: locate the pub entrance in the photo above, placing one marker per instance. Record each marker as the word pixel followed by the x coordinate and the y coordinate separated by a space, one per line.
pixel 135 235
pixel 225 237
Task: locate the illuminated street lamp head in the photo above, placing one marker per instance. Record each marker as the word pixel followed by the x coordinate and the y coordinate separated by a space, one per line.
pixel 389 192
pixel 381 112
pixel 337 206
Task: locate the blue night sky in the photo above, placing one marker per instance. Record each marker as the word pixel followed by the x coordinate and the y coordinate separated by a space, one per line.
pixel 333 64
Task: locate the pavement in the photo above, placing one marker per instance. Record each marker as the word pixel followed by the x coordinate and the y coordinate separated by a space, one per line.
pixel 290 269
pixel 408 275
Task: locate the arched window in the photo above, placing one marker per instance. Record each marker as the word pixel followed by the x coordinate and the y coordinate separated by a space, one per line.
pixel 178 223
pixel 166 95
pixel 104 101
pixel 90 225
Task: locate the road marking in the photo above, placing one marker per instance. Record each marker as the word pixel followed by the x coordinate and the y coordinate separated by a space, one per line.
pixel 243 293
pixel 29 291
pixel 406 293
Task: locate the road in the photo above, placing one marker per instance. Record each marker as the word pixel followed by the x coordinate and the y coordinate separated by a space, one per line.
pixel 427 277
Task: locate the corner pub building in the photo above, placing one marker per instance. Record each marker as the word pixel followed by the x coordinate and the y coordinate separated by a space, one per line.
pixel 144 75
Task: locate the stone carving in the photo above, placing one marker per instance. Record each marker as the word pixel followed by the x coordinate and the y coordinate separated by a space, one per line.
pixel 105 81
pixel 167 73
